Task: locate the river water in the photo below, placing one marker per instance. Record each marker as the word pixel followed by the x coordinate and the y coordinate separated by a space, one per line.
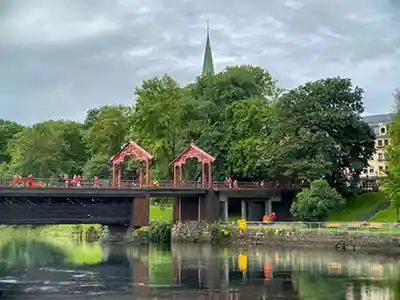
pixel 43 269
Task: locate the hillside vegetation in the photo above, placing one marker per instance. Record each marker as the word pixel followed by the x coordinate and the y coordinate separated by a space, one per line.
pixel 359 207
pixel 387 215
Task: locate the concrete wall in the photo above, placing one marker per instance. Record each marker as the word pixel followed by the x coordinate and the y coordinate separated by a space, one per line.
pixel 197 232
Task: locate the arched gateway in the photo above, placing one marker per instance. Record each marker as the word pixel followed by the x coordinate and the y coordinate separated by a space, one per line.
pixel 138 153
pixel 193 152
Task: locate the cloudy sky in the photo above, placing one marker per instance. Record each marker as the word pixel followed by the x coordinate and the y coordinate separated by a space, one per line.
pixel 59 58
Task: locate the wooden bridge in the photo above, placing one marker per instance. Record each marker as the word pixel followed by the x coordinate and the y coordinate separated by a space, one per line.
pixel 126 202
pixel 50 201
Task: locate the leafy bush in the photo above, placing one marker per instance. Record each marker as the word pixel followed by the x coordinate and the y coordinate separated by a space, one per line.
pixel 142 232
pixel 315 203
pixel 160 231
pixel 222 234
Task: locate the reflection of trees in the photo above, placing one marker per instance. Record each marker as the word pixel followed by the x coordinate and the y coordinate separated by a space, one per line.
pixel 318 287
pixel 160 266
pixel 31 253
pixel 394 287
pixel 25 252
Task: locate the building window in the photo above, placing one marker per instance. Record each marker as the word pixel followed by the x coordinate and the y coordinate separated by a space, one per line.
pixel 379 142
pixel 386 167
pixel 380 156
pixel 380 169
pixel 371 171
pixel 364 171
pixel 383 130
pixel 386 142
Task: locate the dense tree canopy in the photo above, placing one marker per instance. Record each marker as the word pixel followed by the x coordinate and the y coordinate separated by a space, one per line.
pixel 253 128
pixel 319 132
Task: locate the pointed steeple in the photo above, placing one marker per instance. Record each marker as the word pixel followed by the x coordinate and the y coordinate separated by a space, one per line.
pixel 208 64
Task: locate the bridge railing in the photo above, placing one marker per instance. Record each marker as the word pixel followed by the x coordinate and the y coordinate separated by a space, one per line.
pixel 134 184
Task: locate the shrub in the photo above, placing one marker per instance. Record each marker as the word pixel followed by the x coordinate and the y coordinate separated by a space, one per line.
pixel 160 231
pixel 222 234
pixel 315 203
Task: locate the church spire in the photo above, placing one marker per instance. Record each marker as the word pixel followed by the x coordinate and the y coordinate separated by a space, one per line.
pixel 208 64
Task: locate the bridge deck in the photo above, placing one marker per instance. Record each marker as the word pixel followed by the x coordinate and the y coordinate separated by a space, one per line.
pixel 55 188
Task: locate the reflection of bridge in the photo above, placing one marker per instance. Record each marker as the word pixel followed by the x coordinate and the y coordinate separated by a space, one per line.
pixel 44 270
pixel 121 202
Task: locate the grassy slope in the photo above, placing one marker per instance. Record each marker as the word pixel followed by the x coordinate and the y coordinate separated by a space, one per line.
pixel 386 215
pixel 358 206
pixel 158 213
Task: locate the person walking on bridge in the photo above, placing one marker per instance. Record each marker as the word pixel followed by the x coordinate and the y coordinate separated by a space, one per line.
pixel 78 181
pixel 20 183
pixel 235 184
pixel 66 181
pixel 229 182
pixel 30 180
pixel 96 182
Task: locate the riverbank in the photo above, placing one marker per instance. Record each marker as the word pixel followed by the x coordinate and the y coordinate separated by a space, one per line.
pixel 364 241
pixel 199 232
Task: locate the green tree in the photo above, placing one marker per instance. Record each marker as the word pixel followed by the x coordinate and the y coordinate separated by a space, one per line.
pixel 157 121
pixel 91 116
pixel 7 131
pixel 315 203
pixel 97 165
pixel 390 184
pixel 108 131
pixel 319 132
pixel 38 150
pixel 231 118
pixel 74 152
pixel 251 121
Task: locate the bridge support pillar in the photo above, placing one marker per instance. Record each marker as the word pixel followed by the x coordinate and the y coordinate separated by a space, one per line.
pixel 223 200
pixel 210 207
pixel 141 212
pixel 244 210
pixel 176 210
pixel 268 207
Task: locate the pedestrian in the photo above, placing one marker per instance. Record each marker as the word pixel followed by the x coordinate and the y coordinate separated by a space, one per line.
pixel 66 181
pixel 30 180
pixel 273 217
pixel 229 182
pixel 78 181
pixel 235 184
pixel 265 218
pixel 96 182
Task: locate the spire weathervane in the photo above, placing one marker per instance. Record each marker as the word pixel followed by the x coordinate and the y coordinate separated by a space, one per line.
pixel 208 26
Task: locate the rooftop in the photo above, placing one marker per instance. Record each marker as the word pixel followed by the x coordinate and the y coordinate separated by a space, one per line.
pixel 375 120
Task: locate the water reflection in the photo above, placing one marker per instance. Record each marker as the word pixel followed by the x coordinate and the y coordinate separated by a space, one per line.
pixel 43 269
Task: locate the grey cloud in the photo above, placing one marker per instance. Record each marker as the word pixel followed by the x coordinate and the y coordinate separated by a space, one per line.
pixel 59 58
